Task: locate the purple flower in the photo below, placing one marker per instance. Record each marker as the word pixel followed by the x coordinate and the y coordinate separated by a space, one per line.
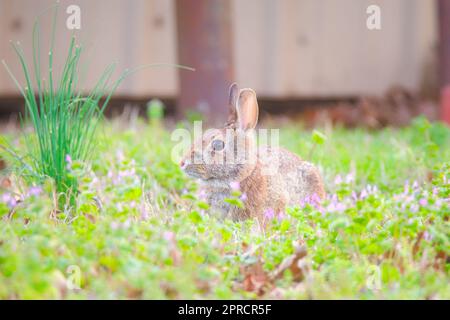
pixel 406 188
pixel 34 191
pixel 281 215
pixel 427 236
pixel 127 173
pixel 336 207
pixel 202 195
pixel 371 189
pixel 9 200
pixel 117 225
pixel 114 225
pixel 234 185
pixel 243 197
pixel 340 207
pixel 368 188
pixel 334 197
pixel 322 211
pixel 349 178
pixel 119 155
pixel 423 202
pixel 363 194
pixel 304 202
pixel 169 235
pixel 338 179
pixel 269 213
pixel 69 161
pixel 144 212
pixel 315 199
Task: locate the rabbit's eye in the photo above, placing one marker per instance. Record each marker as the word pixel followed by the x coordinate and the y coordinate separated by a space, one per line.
pixel 218 145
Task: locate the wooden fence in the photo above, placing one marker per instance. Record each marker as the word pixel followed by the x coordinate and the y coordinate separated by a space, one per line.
pixel 286 48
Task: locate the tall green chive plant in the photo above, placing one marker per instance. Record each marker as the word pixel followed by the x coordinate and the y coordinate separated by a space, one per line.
pixel 63 119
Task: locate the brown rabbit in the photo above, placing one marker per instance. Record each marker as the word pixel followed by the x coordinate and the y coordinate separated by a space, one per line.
pixel 227 158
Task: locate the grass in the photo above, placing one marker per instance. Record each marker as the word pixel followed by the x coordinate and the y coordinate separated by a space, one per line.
pixel 141 230
pixel 63 119
pixel 63 116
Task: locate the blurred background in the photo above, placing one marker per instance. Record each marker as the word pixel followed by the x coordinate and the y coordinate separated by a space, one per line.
pixel 312 60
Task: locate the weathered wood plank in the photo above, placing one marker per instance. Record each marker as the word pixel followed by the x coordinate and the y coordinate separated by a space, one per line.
pixel 289 48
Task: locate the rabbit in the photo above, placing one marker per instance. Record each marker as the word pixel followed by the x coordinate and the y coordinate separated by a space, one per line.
pixel 218 161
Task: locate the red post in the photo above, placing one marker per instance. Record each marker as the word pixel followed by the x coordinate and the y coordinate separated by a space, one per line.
pixel 444 57
pixel 205 43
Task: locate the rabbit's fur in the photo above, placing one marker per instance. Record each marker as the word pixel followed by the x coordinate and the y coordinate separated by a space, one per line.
pixel 266 188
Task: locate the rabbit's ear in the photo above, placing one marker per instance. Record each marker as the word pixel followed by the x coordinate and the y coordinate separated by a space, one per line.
pixel 247 109
pixel 232 102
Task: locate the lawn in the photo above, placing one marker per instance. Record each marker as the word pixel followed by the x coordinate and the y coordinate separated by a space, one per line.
pixel 141 230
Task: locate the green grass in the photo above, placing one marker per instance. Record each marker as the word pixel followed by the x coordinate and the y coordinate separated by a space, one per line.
pixel 140 231
pixel 64 117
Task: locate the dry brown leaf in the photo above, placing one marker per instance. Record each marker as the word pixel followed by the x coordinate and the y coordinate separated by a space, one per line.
pixel 441 260
pixel 169 290
pixel 294 263
pixel 255 278
pixel 416 245
pixel 90 217
pixel 133 293
pixel 6 183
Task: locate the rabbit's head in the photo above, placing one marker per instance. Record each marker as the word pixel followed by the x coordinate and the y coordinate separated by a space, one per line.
pixel 228 153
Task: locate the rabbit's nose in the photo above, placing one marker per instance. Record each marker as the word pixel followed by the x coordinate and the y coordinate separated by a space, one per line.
pixel 182 164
